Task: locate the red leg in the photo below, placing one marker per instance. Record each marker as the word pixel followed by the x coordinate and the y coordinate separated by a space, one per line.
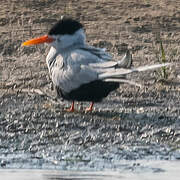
pixel 71 109
pixel 90 108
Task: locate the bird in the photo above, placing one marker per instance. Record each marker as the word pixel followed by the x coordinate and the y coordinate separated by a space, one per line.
pixel 79 71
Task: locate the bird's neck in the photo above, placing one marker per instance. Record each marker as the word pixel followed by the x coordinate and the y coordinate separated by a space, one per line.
pixel 70 43
pixel 53 53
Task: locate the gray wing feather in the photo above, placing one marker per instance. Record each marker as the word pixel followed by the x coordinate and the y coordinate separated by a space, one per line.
pixel 73 77
pixel 100 53
pixel 80 56
pixel 107 64
pixel 81 67
pixel 125 62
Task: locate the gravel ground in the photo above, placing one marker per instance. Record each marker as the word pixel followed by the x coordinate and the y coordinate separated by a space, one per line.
pixel 131 123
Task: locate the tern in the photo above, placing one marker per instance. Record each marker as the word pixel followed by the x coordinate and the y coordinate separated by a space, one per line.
pixel 79 71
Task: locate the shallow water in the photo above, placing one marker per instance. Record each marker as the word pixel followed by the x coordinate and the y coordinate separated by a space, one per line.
pixel 140 169
pixel 132 163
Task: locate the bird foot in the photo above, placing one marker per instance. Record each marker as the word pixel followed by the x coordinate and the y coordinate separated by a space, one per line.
pixel 88 110
pixel 69 109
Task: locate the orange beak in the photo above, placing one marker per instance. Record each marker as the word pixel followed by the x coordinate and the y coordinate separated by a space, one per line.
pixel 39 40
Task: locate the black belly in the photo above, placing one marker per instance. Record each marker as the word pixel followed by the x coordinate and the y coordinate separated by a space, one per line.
pixel 94 91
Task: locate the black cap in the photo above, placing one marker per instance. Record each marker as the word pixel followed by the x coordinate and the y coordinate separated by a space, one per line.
pixel 65 26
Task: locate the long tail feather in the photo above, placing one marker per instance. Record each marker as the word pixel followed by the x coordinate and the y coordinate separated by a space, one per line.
pixel 151 67
pixel 121 71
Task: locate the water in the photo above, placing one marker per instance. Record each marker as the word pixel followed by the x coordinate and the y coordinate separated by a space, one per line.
pixel 140 169
pixel 73 162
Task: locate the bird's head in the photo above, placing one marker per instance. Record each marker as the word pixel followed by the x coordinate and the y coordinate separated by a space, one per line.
pixel 63 34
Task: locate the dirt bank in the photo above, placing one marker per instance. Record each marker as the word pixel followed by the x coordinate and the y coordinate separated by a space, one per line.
pixel 33 122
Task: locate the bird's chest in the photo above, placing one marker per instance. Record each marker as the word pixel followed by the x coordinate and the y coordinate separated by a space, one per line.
pixel 62 74
pixel 59 62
